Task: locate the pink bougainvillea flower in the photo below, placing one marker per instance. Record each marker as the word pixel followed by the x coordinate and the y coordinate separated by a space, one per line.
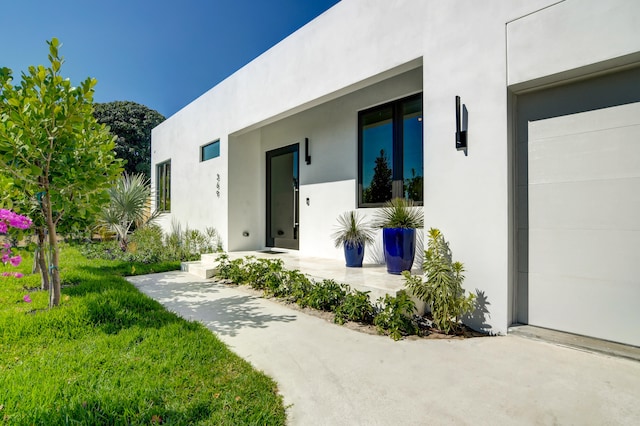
pixel 18 274
pixel 14 220
pixel 15 260
pixel 5 257
pixel 6 274
pixel 26 298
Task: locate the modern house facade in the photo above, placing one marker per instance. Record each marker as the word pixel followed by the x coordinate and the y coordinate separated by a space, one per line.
pixel 358 106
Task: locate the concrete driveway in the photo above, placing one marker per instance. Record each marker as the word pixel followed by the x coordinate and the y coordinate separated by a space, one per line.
pixel 331 375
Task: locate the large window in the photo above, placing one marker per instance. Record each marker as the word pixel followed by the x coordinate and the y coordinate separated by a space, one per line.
pixel 209 151
pixel 390 152
pixel 163 186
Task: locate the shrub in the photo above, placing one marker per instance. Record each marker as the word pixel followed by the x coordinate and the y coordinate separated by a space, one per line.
pixel 393 316
pixel 299 288
pixel 442 290
pixel 189 244
pixel 294 286
pixel 147 245
pixel 355 307
pixel 107 250
pixel 326 295
pixel 232 270
pixel 265 274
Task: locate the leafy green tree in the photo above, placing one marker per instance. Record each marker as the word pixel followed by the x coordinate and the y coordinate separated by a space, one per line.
pixel 53 148
pixel 131 123
pixel 380 189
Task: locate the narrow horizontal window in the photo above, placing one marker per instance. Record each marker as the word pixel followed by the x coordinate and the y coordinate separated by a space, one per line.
pixel 210 150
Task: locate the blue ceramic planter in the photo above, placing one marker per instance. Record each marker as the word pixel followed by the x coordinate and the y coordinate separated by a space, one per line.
pixel 399 249
pixel 353 255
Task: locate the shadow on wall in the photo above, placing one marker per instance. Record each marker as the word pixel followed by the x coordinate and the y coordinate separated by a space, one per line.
pixel 419 259
pixel 375 252
pixel 478 318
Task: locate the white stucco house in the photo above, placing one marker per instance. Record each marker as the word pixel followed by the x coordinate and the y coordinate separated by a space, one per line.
pixel 543 206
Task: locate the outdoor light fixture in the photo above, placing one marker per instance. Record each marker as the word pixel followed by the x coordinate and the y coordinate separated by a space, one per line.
pixel 461 135
pixel 307 156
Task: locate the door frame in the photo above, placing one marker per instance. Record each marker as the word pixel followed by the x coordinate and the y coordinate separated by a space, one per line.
pixel 293 148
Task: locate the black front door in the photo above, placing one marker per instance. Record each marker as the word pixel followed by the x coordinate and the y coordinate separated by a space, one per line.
pixel 282 197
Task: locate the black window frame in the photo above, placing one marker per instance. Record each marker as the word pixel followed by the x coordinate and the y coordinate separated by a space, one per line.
pixel 163 189
pixel 205 146
pixel 397 167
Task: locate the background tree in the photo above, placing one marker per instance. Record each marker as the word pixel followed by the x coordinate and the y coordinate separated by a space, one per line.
pixel 414 187
pixel 131 123
pixel 380 189
pixel 53 149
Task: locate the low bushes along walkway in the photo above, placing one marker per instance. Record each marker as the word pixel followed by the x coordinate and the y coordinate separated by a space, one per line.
pixel 392 316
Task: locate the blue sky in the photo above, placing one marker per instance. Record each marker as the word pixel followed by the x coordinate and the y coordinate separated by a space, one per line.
pixel 159 53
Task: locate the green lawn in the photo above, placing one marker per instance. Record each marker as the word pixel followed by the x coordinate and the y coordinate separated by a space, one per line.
pixel 111 355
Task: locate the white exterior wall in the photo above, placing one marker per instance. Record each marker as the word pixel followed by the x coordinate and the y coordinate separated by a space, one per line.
pixel 309 86
pixel 329 182
pixel 571 39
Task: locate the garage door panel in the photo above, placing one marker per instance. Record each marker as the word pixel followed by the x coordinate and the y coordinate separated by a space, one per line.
pixel 605 154
pixel 587 122
pixel 604 255
pixel 582 307
pixel 583 195
pixel 596 204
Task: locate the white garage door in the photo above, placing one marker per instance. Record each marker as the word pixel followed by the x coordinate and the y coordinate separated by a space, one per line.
pixel 584 223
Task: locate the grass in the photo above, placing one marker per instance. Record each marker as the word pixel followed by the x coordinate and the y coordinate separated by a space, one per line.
pixel 111 355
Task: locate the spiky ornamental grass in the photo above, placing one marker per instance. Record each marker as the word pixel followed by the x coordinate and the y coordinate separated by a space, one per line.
pixel 129 205
pixel 111 355
pixel 400 213
pixel 352 230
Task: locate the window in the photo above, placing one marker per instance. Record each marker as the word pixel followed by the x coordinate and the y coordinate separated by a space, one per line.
pixel 163 195
pixel 209 151
pixel 390 152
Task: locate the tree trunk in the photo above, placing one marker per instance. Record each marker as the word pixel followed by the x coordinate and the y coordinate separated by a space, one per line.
pixel 41 259
pixel 55 254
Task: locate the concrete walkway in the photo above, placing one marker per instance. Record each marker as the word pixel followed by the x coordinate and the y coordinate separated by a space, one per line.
pixel 335 376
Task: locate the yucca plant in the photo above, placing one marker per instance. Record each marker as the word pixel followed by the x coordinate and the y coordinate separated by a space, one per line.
pixel 130 205
pixel 353 233
pixel 352 230
pixel 399 219
pixel 400 213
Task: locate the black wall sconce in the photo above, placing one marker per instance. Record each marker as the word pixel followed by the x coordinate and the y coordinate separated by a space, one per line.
pixel 461 135
pixel 307 156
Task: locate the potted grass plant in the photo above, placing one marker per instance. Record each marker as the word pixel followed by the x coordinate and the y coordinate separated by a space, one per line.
pixel 353 233
pixel 399 219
